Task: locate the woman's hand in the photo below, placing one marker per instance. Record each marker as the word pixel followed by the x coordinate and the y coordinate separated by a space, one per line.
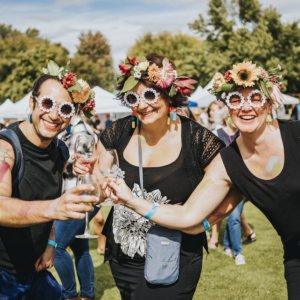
pixel 80 169
pixel 119 191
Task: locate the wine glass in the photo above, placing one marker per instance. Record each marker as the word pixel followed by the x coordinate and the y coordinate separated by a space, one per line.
pixel 92 180
pixel 108 166
pixel 84 149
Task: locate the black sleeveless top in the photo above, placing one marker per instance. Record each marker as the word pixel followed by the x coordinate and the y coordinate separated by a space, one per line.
pixel 174 183
pixel 277 198
pixel 20 248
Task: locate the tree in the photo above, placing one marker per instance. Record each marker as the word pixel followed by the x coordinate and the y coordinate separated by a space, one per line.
pixel 183 49
pixel 93 61
pixel 22 57
pixel 239 30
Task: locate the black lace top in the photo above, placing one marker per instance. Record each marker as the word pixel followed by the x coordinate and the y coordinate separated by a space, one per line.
pixel 125 230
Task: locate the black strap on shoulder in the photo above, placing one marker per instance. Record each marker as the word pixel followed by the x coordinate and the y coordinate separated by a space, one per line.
pixel 64 152
pixel 12 138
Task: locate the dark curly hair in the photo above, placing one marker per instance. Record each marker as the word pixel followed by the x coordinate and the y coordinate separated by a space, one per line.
pixel 177 101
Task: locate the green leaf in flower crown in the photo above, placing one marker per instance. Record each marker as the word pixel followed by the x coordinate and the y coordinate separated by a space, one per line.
pixel 269 84
pixel 265 89
pixel 227 87
pixel 53 68
pixel 130 83
pixel 172 91
pixel 219 96
pixel 121 78
pixel 45 71
pixel 88 114
pixel 77 87
pixel 127 61
pixel 141 58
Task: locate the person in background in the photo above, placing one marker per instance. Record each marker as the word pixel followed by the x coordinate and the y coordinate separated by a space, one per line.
pixel 185 112
pixel 108 121
pixel 296 112
pixel 66 231
pixel 212 109
pixel 96 125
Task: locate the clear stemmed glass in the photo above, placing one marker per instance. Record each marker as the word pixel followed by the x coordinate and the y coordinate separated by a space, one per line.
pixel 92 180
pixel 108 166
pixel 84 149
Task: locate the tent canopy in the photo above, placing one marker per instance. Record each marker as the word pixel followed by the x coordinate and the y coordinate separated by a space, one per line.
pixel 6 105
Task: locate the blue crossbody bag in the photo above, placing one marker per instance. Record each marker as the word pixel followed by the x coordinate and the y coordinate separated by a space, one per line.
pixel 163 246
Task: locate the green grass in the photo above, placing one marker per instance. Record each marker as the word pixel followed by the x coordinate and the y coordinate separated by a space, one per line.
pixel 261 278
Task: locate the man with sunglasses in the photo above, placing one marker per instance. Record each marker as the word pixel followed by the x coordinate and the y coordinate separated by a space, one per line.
pixel 30 189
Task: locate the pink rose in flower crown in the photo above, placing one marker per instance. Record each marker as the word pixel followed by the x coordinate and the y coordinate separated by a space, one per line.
pixel 69 80
pixel 228 77
pixel 81 97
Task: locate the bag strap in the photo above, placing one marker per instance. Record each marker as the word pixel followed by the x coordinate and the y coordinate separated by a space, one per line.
pixel 141 163
pixel 18 167
pixel 64 152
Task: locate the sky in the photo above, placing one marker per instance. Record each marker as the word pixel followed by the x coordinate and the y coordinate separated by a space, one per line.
pixel 120 21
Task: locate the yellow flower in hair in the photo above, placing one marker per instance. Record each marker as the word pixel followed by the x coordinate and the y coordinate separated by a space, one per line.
pixel 245 74
pixel 81 97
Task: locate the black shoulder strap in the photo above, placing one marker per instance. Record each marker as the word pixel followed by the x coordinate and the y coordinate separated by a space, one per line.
pixel 12 138
pixel 63 151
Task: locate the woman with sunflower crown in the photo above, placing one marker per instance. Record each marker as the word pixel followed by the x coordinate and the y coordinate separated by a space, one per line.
pixel 262 164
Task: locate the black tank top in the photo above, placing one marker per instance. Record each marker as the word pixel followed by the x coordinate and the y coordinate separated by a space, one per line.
pixel 277 198
pixel 20 248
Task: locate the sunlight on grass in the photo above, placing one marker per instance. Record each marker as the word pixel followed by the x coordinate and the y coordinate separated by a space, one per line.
pixel 261 278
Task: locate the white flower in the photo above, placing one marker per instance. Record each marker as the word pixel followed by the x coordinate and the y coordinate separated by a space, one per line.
pixel 137 74
pixel 143 66
pixel 223 96
pixel 279 66
pixel 175 73
pixel 136 69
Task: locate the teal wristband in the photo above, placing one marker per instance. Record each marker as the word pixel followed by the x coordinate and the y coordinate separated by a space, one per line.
pixel 206 224
pixel 152 211
pixel 50 242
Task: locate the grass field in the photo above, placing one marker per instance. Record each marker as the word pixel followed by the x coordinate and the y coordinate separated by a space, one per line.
pixel 261 278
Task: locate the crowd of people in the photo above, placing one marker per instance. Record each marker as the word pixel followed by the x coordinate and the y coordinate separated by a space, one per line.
pixel 155 234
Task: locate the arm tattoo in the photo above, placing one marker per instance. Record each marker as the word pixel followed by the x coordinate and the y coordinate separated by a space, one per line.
pixel 6 155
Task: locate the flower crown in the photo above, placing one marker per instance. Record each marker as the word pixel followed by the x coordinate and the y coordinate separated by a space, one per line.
pixel 249 75
pixel 139 67
pixel 81 93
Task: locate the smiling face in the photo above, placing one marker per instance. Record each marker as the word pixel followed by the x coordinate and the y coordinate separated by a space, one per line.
pixel 48 125
pixel 249 118
pixel 150 113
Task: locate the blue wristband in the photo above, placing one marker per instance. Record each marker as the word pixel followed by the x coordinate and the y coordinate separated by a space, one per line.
pixel 206 224
pixel 54 244
pixel 152 211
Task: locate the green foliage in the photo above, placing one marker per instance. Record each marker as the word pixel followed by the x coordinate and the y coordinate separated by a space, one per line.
pixel 22 57
pixel 239 30
pixel 184 50
pixel 93 61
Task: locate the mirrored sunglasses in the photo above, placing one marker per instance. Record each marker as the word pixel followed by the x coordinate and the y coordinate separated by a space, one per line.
pixel 149 95
pixel 47 104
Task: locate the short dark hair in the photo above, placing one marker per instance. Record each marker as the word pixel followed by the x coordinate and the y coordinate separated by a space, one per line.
pixel 177 101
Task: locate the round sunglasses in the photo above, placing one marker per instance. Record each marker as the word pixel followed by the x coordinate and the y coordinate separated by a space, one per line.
pixel 149 95
pixel 47 104
pixel 236 100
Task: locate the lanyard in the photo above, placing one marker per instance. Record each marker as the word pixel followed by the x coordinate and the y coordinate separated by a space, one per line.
pixel 230 140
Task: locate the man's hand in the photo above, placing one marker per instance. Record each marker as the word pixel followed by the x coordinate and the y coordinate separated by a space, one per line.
pixel 79 168
pixel 46 261
pixel 72 204
pixel 119 191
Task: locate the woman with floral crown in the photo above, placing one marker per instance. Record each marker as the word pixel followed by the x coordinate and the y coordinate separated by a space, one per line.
pixel 175 152
pixel 262 164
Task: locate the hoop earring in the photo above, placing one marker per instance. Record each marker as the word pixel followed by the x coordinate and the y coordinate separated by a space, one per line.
pixel 269 117
pixel 229 121
pixel 30 118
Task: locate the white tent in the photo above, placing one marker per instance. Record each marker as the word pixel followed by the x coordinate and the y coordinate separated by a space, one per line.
pixel 199 93
pixel 6 105
pixel 106 102
pixel 18 110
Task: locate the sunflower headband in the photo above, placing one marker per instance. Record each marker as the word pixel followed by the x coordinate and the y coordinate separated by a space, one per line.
pixel 81 93
pixel 139 67
pixel 247 75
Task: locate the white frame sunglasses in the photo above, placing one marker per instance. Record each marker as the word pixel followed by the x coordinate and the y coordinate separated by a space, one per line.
pixel 264 98
pixel 40 102
pixel 156 94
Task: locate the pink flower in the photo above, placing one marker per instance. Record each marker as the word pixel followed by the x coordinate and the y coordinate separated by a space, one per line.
pixel 69 80
pixel 125 69
pixel 166 75
pixel 90 106
pixel 228 77
pixel 133 61
pixel 273 79
pixel 277 96
pixel 280 86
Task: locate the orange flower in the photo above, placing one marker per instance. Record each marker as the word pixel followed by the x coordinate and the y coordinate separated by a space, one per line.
pixel 81 97
pixel 153 73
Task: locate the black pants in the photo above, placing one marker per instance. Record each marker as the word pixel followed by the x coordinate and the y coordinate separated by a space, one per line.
pixel 130 280
pixel 292 277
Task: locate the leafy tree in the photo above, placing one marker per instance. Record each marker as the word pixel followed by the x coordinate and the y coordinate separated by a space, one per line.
pixel 183 49
pixel 239 30
pixel 93 61
pixel 22 57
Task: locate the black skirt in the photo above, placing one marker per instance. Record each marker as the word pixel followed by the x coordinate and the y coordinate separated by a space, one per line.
pixel 130 280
